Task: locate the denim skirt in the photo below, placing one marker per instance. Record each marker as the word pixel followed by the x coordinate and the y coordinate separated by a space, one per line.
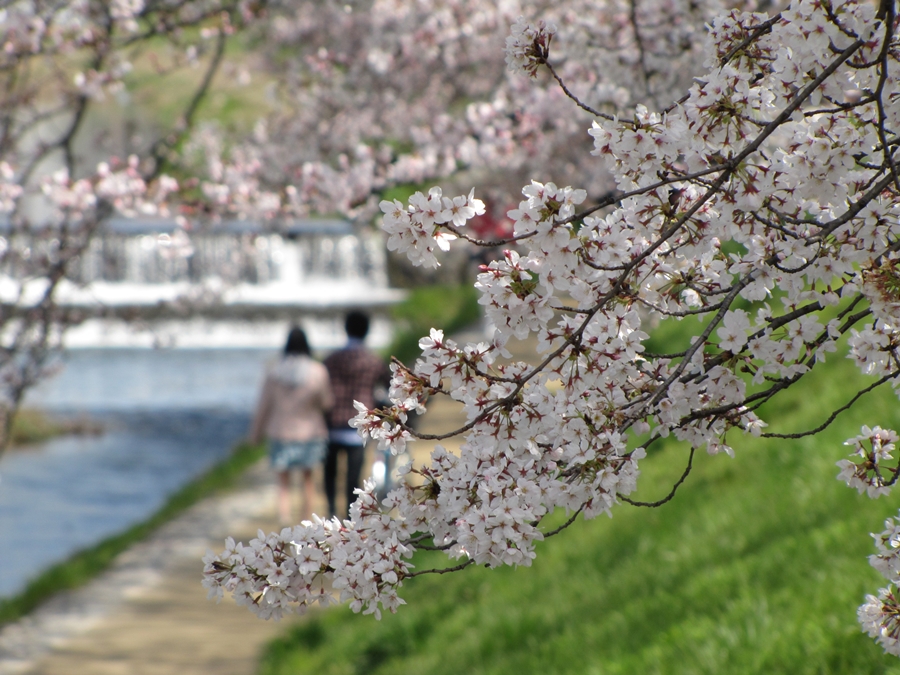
pixel 286 455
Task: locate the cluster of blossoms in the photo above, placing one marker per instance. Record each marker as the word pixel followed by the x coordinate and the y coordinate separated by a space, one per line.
pixel 120 186
pixel 427 222
pixel 874 447
pixel 528 46
pixel 364 559
pixel 880 615
pixel 764 203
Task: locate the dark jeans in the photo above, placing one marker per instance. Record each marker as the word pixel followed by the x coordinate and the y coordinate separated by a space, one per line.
pixel 355 456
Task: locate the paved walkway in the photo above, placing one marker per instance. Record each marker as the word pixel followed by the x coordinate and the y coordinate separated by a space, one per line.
pixel 148 615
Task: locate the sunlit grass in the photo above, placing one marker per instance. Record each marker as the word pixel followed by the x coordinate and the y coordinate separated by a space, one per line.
pixel 756 566
pixel 32 426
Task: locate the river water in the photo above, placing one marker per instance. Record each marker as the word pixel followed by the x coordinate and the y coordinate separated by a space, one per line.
pixel 167 415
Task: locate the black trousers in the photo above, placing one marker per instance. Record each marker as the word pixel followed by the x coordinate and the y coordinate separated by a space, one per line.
pixel 355 457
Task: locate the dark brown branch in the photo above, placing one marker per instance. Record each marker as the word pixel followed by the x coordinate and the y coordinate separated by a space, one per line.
pixel 833 416
pixel 164 144
pixel 445 570
pixel 668 497
pixel 430 547
pixel 566 524
pixel 642 55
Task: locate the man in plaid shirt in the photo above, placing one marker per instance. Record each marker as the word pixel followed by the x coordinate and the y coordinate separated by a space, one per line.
pixel 354 372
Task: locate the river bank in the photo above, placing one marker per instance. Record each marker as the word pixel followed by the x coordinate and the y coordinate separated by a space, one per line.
pixel 32 426
pixel 167 416
pixel 148 614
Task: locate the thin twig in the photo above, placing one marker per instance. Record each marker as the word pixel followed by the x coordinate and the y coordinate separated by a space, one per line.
pixel 445 570
pixel 838 411
pixel 565 524
pixel 671 494
pixel 578 102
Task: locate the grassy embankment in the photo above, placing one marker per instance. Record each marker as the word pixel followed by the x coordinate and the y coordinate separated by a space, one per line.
pixel 757 566
pixel 88 563
pixel 32 426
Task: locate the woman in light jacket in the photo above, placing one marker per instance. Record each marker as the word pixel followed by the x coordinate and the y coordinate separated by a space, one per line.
pixel 290 415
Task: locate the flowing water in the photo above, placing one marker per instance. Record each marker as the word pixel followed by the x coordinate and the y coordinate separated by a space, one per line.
pixel 167 416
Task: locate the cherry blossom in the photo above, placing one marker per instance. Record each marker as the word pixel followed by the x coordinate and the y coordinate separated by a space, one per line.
pixel 528 45
pixel 874 446
pixel 879 614
pixel 761 198
pixel 405 93
pixel 60 176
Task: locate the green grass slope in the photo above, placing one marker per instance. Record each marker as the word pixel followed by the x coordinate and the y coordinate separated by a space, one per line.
pixel 757 566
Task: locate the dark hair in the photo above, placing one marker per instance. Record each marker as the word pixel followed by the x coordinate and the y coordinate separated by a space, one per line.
pixel 297 342
pixel 357 325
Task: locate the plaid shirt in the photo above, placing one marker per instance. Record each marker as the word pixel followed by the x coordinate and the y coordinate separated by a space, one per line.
pixel 354 372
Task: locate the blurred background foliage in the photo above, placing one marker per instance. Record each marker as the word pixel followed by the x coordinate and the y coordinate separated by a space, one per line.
pixel 450 308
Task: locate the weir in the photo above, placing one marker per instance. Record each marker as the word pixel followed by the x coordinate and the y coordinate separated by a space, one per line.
pixel 152 282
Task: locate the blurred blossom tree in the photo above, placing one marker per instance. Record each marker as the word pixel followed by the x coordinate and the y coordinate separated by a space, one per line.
pixel 359 97
pixel 763 201
pixel 59 62
pixel 385 92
